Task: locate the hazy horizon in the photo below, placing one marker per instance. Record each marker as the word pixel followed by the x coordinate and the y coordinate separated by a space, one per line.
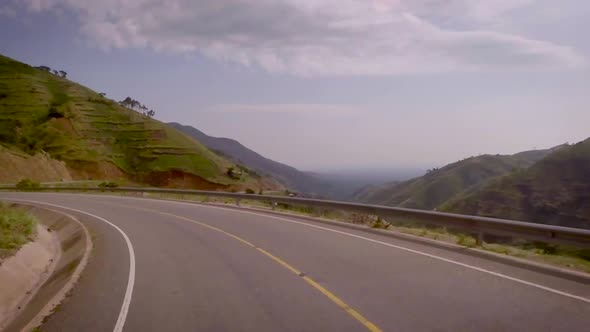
pixel 326 85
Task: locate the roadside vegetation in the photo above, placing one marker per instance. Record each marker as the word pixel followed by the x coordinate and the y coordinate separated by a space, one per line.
pixel 556 191
pixel 17 227
pixel 559 256
pixel 108 184
pixel 27 184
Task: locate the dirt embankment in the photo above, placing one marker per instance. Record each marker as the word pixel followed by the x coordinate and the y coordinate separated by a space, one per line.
pixel 102 170
pixel 40 167
pixel 182 180
pixel 178 179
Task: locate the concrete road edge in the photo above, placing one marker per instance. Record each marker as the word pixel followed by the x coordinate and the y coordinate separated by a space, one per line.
pixel 76 245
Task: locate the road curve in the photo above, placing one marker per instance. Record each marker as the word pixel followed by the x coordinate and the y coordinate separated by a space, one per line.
pixel 207 268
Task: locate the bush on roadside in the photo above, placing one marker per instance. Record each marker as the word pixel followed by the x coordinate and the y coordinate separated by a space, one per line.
pixel 17 227
pixel 108 184
pixel 250 191
pixel 27 184
pixel 379 223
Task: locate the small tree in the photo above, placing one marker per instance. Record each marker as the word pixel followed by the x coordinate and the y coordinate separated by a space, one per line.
pixel 102 94
pixel 27 184
pixel 55 72
pixel 127 102
pixel 63 74
pixel 44 68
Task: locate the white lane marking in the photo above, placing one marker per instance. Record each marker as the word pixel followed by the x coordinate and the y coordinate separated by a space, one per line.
pixel 61 294
pixel 496 274
pixel 500 275
pixel 130 282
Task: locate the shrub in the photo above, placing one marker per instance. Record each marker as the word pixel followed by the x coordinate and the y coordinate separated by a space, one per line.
pixel 545 248
pixel 233 173
pixel 108 184
pixel 379 224
pixel 250 191
pixel 466 240
pixel 27 184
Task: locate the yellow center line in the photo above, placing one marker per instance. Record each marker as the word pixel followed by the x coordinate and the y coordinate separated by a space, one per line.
pixel 339 302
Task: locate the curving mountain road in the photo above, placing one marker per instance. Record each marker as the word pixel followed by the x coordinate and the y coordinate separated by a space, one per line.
pixel 189 267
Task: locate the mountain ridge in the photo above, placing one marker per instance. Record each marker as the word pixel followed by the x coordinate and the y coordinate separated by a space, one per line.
pixel 240 154
pixel 439 185
pixel 555 190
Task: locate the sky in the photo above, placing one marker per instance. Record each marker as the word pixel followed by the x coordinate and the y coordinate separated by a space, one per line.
pixel 322 85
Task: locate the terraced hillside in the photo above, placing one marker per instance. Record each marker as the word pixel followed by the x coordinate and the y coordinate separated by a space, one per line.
pixel 97 138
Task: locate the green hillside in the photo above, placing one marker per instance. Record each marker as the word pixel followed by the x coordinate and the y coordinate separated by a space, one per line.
pixel 556 190
pixel 441 185
pixel 96 137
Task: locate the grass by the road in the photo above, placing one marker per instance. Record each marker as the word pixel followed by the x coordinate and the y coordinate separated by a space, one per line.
pixel 17 227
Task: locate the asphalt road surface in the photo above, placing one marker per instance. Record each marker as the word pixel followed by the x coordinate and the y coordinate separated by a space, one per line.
pixel 172 266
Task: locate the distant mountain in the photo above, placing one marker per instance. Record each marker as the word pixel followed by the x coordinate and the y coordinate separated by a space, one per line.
pixel 238 153
pixel 438 186
pixel 345 184
pixel 556 190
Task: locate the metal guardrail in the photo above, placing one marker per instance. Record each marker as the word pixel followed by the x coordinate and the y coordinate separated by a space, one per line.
pixel 479 226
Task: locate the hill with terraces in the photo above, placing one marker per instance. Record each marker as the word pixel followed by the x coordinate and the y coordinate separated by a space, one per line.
pixel 53 129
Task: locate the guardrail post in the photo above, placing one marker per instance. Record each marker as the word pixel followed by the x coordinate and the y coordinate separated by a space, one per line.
pixel 273 205
pixel 237 201
pixel 479 238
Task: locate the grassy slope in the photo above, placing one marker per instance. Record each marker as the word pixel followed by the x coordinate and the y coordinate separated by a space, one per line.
pixel 42 112
pixel 556 190
pixel 16 228
pixel 437 187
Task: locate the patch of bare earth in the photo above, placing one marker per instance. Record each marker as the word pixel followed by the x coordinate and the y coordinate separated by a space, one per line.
pixel 40 167
pixel 82 170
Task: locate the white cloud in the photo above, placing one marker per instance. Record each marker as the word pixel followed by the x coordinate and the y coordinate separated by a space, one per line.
pixel 305 37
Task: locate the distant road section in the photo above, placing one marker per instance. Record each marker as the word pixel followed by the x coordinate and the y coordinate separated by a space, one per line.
pixel 207 268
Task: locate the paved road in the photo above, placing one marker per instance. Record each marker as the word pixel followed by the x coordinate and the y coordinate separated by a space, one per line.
pixel 205 268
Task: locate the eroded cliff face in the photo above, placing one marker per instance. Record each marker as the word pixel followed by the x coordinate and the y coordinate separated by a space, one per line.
pixel 40 167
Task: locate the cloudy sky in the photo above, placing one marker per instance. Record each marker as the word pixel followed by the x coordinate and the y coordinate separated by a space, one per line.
pixel 323 84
